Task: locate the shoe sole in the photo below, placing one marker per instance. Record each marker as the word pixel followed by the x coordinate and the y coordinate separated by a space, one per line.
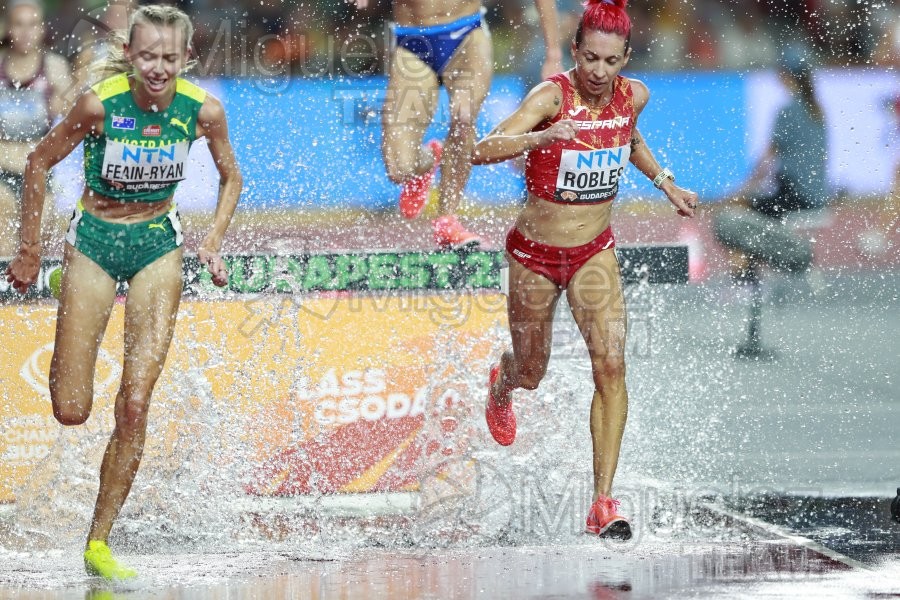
pixel 91 570
pixel 617 530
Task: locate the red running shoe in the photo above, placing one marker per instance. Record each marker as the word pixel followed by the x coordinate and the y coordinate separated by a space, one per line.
pixel 450 234
pixel 414 194
pixel 501 421
pixel 603 520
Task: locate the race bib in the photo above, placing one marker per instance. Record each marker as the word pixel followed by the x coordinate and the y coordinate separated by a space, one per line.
pixel 590 176
pixel 137 168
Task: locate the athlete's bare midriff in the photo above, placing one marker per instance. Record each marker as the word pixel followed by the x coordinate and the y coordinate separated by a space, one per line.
pixel 116 211
pixel 562 225
pixel 422 13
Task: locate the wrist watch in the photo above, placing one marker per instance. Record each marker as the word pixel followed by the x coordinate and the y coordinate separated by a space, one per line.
pixel 662 176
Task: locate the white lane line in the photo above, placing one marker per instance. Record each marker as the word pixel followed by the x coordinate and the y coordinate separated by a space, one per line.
pixel 787 535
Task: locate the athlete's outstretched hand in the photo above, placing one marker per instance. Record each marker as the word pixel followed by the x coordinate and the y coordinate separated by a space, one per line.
pixel 215 265
pixel 23 270
pixel 564 129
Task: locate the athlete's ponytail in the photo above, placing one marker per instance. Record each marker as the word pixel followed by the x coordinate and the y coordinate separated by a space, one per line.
pixel 116 62
pixel 608 16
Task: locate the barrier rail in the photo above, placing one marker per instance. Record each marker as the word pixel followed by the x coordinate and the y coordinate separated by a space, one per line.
pixel 377 271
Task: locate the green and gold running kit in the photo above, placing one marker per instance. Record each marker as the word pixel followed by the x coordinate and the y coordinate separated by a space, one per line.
pixel 140 157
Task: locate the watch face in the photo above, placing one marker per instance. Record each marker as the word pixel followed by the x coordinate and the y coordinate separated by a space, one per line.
pixel 662 176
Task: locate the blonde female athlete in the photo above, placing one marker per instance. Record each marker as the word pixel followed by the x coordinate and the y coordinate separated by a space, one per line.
pixel 136 126
pixel 579 131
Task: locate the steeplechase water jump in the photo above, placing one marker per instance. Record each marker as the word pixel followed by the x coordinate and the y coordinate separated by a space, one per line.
pixel 303 337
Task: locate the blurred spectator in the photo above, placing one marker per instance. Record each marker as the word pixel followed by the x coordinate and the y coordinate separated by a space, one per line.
pixel 89 37
pixel 845 32
pixel 293 47
pixel 745 40
pixel 754 226
pixel 33 86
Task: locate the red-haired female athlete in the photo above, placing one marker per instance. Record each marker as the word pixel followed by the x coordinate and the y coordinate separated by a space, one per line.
pixel 579 130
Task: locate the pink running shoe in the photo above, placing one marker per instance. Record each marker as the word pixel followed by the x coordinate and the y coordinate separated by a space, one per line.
pixel 501 421
pixel 603 520
pixel 414 194
pixel 450 234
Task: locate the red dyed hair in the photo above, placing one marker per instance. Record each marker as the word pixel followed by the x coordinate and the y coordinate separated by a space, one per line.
pixel 608 16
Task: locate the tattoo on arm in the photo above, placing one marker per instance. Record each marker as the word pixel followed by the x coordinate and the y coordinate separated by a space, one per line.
pixel 556 101
pixel 635 142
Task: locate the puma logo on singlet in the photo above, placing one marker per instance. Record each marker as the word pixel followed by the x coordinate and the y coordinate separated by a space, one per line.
pixel 182 124
pixel 157 225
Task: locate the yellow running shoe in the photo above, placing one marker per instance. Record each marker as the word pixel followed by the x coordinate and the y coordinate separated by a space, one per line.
pixel 98 560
